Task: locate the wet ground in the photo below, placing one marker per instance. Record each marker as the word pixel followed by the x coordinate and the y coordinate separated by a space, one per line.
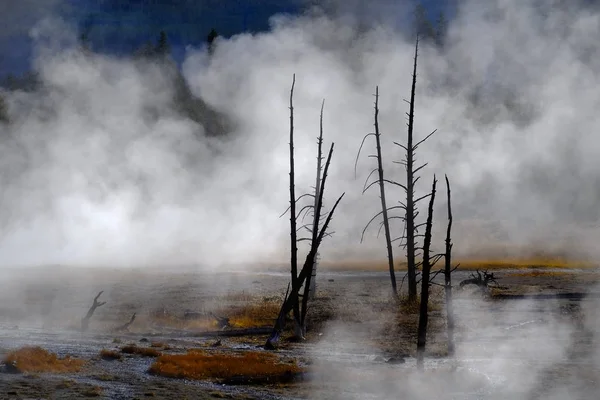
pixel 520 349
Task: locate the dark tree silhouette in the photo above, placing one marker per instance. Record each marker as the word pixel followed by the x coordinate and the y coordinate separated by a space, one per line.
pixel 411 179
pixel 381 181
pixel 210 39
pixel 423 26
pixel 441 29
pixel 291 301
pixel 3 110
pixel 311 283
pixel 293 230
pixel 448 277
pixel 162 46
pixel 425 282
pixel 84 43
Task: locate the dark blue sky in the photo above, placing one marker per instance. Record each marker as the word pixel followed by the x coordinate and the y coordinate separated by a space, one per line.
pixel 120 26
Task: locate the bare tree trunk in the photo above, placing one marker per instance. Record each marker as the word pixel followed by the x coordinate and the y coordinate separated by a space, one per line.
pixel 312 279
pixel 448 277
pixel 310 284
pixel 381 180
pixel 85 321
pixel 410 190
pixel 288 303
pixel 315 235
pixel 293 230
pixel 292 300
pixel 423 313
pixel 312 293
pixel 384 209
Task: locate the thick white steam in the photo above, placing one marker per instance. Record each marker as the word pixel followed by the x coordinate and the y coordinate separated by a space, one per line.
pixel 98 168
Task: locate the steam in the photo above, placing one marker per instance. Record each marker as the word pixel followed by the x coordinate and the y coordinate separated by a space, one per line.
pixel 99 168
pixel 514 349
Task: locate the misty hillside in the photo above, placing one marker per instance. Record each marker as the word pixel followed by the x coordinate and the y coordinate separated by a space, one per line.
pixel 184 102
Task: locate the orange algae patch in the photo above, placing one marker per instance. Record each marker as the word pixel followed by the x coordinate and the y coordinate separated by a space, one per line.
pixel 539 273
pixel 471 264
pixel 200 365
pixel 36 359
pixel 110 354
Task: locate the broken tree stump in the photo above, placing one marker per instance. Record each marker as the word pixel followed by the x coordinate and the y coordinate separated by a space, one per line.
pixel 125 326
pixel 85 321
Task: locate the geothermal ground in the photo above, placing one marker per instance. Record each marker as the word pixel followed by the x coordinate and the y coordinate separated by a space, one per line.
pixel 359 345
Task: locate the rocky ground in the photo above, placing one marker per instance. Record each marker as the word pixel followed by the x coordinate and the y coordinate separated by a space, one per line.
pixel 359 344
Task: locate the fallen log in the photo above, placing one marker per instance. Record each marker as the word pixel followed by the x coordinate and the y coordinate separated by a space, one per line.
pixel 481 281
pixel 547 296
pixel 231 333
pixel 287 377
pixel 170 332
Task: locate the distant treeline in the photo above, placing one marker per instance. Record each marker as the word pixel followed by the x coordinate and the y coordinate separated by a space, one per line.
pixel 184 101
pixel 160 50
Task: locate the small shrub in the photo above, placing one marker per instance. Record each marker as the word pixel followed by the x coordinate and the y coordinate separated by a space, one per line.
pixel 36 359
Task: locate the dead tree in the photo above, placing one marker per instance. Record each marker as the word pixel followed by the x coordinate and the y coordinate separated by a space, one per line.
pixel 125 326
pixel 292 299
pixel 85 321
pixel 386 222
pixel 312 279
pixel 293 230
pixel 425 279
pixel 314 235
pixel 381 181
pixel 448 277
pixel 410 206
